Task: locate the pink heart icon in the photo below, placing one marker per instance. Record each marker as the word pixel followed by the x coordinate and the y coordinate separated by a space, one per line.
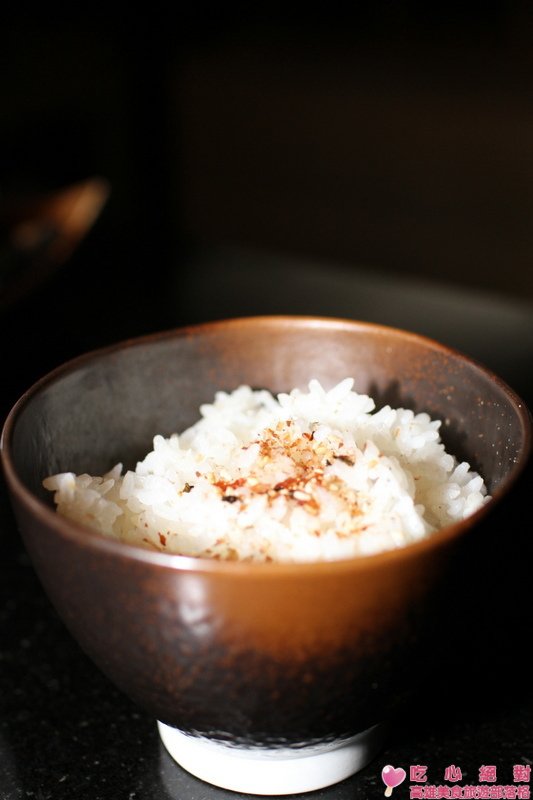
pixel 392 777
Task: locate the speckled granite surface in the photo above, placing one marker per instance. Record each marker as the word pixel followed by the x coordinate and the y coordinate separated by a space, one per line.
pixel 67 734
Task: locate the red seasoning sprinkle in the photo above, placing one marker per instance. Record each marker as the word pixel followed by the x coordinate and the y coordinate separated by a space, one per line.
pixel 305 458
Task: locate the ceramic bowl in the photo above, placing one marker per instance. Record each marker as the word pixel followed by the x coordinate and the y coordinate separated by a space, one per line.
pixel 264 678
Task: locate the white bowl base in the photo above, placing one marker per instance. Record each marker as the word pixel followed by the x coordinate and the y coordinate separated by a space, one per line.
pixel 272 771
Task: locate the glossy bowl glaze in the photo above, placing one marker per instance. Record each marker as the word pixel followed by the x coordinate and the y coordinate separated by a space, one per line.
pixel 267 657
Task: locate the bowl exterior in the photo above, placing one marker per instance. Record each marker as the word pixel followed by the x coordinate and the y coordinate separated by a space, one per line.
pixel 262 655
pixel 260 660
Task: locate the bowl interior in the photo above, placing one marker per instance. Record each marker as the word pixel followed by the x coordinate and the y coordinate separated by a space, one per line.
pixel 107 406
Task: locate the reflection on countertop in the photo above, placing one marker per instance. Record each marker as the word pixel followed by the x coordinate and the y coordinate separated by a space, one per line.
pixel 234 281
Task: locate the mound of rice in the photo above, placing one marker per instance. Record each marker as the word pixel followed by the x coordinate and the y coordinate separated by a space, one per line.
pixel 306 476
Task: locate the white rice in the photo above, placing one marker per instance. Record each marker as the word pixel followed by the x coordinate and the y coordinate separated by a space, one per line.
pixel 309 476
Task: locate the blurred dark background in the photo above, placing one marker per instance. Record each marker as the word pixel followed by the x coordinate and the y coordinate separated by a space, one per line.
pixel 393 138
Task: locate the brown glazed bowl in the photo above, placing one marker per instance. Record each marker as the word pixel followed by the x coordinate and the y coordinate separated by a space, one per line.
pixel 267 678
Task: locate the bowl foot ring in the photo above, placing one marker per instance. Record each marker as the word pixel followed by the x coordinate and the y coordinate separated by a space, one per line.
pixel 274 771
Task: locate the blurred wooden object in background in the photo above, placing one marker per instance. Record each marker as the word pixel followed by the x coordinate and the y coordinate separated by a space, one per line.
pixel 39 233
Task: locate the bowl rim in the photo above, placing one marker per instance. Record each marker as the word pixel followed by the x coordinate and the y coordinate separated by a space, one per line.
pixel 92 539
